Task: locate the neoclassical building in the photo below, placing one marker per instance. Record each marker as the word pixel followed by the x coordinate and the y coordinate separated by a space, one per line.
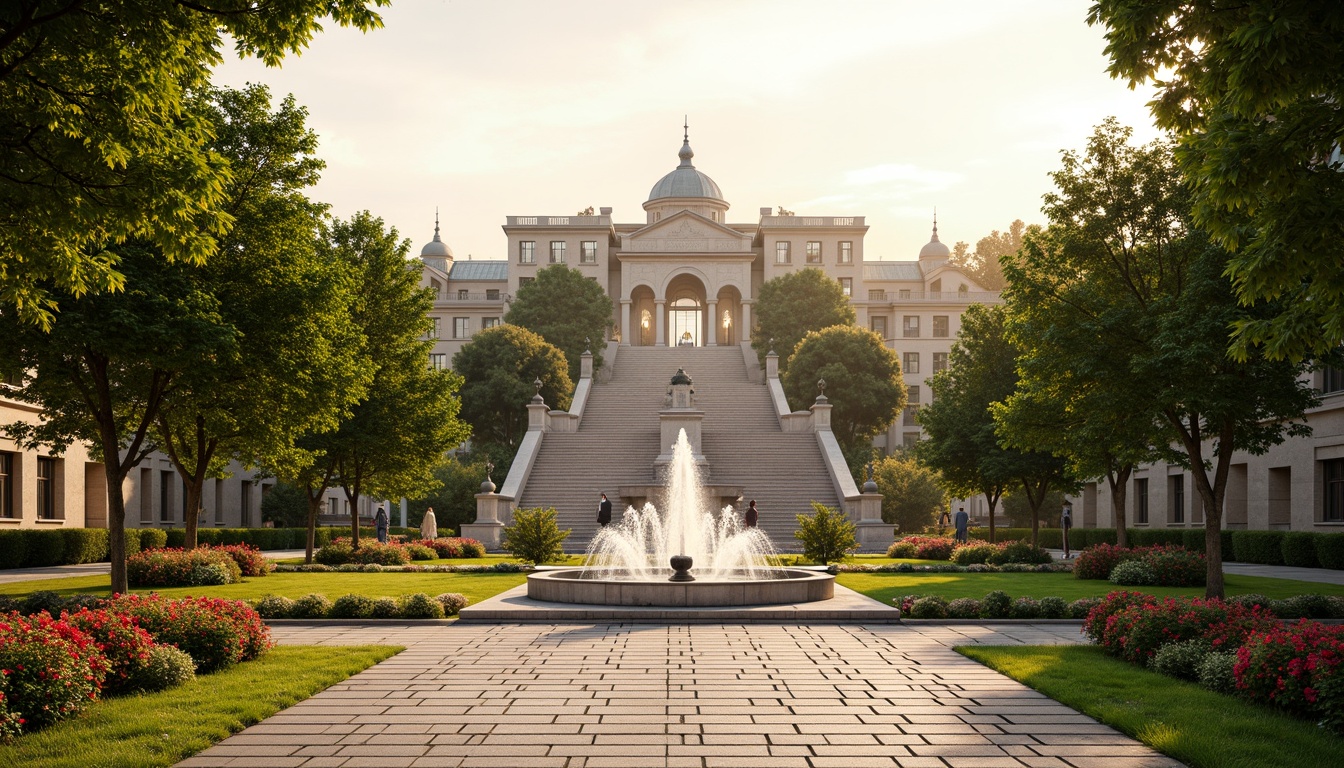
pixel 688 274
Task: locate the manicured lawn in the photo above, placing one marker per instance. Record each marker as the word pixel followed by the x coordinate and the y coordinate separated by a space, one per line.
pixel 159 729
pixel 476 586
pixel 885 586
pixel 1198 727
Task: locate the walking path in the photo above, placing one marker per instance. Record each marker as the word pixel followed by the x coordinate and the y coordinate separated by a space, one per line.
pixel 709 696
pixel 99 569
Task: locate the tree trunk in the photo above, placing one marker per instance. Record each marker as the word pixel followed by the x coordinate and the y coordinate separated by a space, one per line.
pixel 1036 500
pixel 352 495
pixel 1119 482
pixel 191 514
pixel 1210 491
pixel 116 526
pixel 314 504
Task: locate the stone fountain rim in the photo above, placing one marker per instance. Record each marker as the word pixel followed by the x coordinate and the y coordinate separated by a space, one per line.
pixel 559 586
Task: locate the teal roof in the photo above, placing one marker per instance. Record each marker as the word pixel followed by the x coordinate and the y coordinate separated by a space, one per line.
pixel 892 270
pixel 480 270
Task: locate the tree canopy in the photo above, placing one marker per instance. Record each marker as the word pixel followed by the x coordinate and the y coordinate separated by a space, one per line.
pixel 912 494
pixel 566 309
pixel 984 264
pixel 792 305
pixel 1254 90
pixel 863 381
pixel 499 367
pixel 98 148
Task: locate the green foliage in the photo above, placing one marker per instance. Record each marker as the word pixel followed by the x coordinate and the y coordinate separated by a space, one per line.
pixel 275 607
pixel 1216 671
pixel 1330 550
pixel 44 548
pixel 83 545
pixel 932 607
pixel 452 602
pixel 167 667
pixel 13 548
pixel 454 501
pixel 984 263
pixel 311 606
pixel 420 606
pixel 1263 547
pixel 498 368
pixel 534 536
pixel 1299 549
pixel 568 310
pixel 1017 508
pixel 349 607
pixel 996 605
pixel 1133 573
pixel 1252 91
pixel 827 535
pixel 286 506
pixel 792 305
pixel 863 379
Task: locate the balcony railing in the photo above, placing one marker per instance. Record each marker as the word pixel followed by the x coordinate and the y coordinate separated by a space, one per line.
pixel 557 221
pixel 456 296
pixel 930 297
pixel 812 221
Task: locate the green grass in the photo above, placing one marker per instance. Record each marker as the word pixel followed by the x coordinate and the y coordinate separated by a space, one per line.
pixel 476 586
pixel 1198 727
pixel 159 729
pixel 885 586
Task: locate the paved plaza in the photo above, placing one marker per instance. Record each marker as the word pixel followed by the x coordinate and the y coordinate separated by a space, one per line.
pixel 634 695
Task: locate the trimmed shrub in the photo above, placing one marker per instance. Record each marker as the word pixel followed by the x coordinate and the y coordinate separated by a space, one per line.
pixel 971 554
pixel 216 633
pixel 1181 660
pixel 932 607
pixel 1137 632
pixel 535 538
pixel 275 607
pixel 420 606
pixel 13 549
pixel 352 607
pixel 385 608
pixel 901 550
pixel 311 606
pixel 448 547
pixel 1001 534
pixel 83 545
pixel 1049 538
pixel 125 645
pixel 827 535
pixel 1025 608
pixel 1263 547
pixel 1054 608
pixel 996 605
pixel 1097 562
pixel 1193 539
pixel 165 667
pixel 43 601
pixel 452 602
pixel 1299 668
pixel 1134 573
pixel 963 608
pixel 1303 607
pixel 50 670
pixel 339 552
pixel 181 568
pixel 45 548
pixel 1094 624
pixel 1176 567
pixel 249 559
pixel 152 538
pixel 933 547
pixel 1020 552
pixel 421 552
pixel 1216 671
pixel 1299 549
pixel 1330 550
pixel 1080 608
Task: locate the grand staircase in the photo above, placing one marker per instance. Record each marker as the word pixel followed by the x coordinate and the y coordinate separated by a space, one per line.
pixel 617 442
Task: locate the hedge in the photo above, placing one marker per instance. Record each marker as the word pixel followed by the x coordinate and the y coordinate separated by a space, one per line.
pixel 1330 550
pixel 1299 549
pixel 1263 547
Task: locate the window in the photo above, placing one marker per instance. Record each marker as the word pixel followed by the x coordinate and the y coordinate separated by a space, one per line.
pixel 527 252
pixel 1333 475
pixel 1141 500
pixel 461 327
pixel 588 254
pixel 909 439
pixel 911 411
pixel 489 322
pixel 165 496
pixel 846 252
pixel 877 294
pixel 878 326
pixel 781 253
pixel 557 251
pixel 912 326
pixel 523 281
pixel 245 504
pixel 847 286
pixel 911 364
pixel 438 361
pixel 940 326
pixel 433 327
pixel 1177 484
pixel 912 393
pixel 6 485
pixel 46 488
pixel 903 294
pixel 813 252
pixel 333 506
pixel 492 294
pixel 939 361
pixel 462 294
pixel 1332 380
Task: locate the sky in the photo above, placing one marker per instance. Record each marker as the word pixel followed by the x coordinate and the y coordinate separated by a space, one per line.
pixel 486 109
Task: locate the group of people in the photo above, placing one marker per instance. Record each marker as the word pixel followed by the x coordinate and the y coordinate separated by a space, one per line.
pixel 961 522
pixel 429 528
pixel 749 518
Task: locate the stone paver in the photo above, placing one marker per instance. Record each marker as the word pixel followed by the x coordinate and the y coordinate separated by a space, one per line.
pixel 584 696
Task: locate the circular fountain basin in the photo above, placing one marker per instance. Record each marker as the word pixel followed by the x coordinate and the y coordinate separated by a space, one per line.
pixel 593 586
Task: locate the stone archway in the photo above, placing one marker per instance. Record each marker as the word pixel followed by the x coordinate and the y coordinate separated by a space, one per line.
pixel 687 321
pixel 727 312
pixel 643 326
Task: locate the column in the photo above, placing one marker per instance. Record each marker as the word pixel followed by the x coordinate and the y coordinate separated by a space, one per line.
pixel 744 322
pixel 658 339
pixel 626 329
pixel 713 340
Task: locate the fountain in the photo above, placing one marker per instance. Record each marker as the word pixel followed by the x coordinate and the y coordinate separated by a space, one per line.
pixel 647 558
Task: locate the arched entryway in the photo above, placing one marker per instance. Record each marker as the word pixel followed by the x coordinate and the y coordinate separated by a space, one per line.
pixel 687 323
pixel 642 319
pixel 728 316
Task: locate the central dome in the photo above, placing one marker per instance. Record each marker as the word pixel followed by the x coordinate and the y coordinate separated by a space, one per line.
pixel 685 181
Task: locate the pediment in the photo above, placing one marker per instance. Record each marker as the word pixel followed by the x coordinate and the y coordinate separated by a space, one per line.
pixel 683 232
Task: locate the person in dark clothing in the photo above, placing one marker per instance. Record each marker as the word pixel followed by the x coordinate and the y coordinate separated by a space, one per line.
pixel 752 514
pixel 962 521
pixel 380 525
pixel 1066 524
pixel 604 511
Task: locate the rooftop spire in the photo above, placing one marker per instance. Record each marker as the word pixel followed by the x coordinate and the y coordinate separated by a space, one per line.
pixel 935 225
pixel 686 154
pixel 436 225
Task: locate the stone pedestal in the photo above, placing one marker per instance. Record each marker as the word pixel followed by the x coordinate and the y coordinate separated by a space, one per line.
pixel 873 534
pixel 487 529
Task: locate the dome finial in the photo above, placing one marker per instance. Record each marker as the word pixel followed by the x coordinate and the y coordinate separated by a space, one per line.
pixel 686 154
pixel 436 224
pixel 935 224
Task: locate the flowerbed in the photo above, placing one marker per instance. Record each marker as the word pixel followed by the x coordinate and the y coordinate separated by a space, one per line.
pixel 942 548
pixel 372 552
pixel 53 662
pixel 995 605
pixel 414 606
pixel 375 568
pixel 198 567
pixel 1171 566
pixel 251 562
pixel 1063 567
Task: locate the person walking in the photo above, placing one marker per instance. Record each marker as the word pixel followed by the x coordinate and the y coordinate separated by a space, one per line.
pixel 944 520
pixel 380 525
pixel 604 511
pixel 429 528
pixel 1065 525
pixel 961 521
pixel 752 515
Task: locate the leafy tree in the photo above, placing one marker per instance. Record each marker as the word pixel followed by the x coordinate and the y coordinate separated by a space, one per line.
pixel 98 152
pixel 912 494
pixel 1151 292
pixel 289 365
pixel 862 376
pixel 566 309
pixel 534 536
pixel 103 368
pixel 499 367
pixel 1253 90
pixel 827 535
pixel 458 481
pixel 1017 508
pixel 791 306
pixel 985 262
pixel 286 506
